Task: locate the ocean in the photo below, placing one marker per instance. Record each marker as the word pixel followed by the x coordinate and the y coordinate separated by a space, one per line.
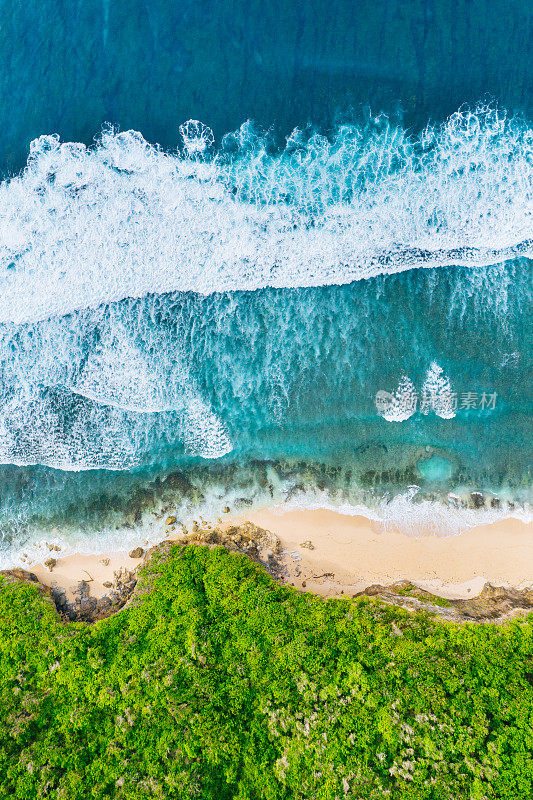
pixel 312 290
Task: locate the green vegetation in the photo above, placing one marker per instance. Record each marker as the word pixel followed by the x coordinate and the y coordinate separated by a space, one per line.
pixel 218 683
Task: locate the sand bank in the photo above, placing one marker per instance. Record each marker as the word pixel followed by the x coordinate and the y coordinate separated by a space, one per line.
pixel 334 554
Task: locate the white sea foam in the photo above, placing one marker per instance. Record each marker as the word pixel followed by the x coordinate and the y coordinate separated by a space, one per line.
pixel 437 393
pixel 46 428
pixel 82 227
pixel 405 513
pixel 419 517
pixel 401 404
pixel 112 406
pixel 118 374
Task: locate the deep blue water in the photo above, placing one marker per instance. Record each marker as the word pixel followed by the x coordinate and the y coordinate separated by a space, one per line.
pixel 334 316
pixel 67 67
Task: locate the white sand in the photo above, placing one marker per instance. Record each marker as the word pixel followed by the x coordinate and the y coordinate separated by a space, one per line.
pixel 352 552
pixel 359 553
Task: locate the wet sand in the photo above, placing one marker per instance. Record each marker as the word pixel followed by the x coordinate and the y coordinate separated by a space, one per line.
pixel 334 554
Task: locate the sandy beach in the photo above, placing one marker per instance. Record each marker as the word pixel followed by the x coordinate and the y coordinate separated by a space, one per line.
pixel 334 554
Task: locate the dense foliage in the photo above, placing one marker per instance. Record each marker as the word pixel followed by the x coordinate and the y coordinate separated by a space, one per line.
pixel 219 683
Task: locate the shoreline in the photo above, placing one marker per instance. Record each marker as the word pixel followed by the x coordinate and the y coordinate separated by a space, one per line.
pixel 333 554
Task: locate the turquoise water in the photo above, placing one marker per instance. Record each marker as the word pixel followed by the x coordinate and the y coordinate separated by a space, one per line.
pixel 339 318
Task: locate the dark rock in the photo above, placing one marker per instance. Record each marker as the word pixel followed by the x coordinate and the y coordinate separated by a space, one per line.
pixel 138 552
pixel 87 605
pixel 492 604
pixel 82 589
pixel 478 501
pixel 59 597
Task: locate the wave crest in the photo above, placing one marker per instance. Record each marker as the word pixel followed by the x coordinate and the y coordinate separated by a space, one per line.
pixel 86 226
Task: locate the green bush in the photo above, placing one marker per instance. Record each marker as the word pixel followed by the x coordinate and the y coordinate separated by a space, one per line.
pixel 219 683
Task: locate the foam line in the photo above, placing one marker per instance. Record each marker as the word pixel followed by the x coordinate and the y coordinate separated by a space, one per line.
pixel 82 227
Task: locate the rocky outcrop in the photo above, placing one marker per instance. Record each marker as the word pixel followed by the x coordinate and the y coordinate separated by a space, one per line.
pixel 257 543
pixel 493 604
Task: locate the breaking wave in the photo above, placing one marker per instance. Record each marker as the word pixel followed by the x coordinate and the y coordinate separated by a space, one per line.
pixel 82 227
